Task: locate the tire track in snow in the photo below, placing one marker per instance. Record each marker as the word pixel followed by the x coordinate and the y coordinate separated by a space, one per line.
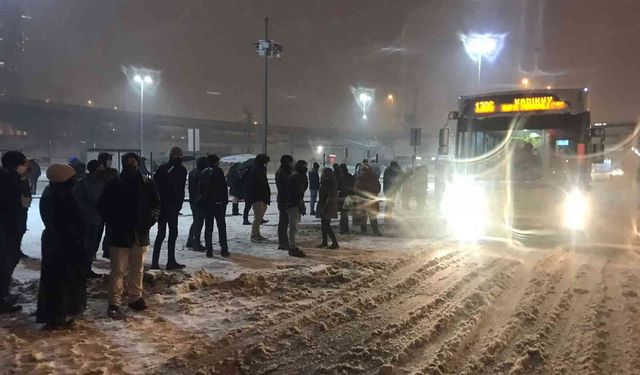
pixel 527 312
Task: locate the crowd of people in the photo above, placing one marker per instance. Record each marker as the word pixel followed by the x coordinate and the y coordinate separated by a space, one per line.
pixel 84 205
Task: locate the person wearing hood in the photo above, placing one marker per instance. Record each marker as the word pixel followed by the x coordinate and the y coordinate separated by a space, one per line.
pixel 62 292
pixel 109 173
pixel 170 179
pixel 13 220
pixel 195 232
pixel 87 191
pixel 328 207
pixel 367 187
pixel 258 194
pixel 296 187
pixel 314 186
pixel 282 183
pixel 130 206
pixel 214 198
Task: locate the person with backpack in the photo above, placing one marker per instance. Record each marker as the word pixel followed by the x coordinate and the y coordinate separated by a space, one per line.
pixel 258 194
pixel 195 232
pixel 367 187
pixel 214 198
pixel 171 179
pixel 314 186
pixel 296 187
pixel 282 183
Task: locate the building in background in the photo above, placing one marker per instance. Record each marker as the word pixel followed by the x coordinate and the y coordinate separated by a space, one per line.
pixel 12 45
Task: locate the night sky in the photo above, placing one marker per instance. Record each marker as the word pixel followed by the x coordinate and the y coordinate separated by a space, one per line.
pixel 410 48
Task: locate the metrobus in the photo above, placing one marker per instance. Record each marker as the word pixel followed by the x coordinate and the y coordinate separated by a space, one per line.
pixel 522 164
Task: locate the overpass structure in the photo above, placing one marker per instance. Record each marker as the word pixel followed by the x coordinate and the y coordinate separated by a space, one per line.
pixel 54 131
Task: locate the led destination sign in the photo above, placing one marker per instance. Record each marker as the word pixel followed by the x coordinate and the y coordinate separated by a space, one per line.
pixel 528 104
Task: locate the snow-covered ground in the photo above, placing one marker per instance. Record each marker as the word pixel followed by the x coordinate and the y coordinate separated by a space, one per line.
pixel 411 302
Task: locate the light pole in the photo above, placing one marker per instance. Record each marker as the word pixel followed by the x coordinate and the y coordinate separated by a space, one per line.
pixel 364 98
pixel 266 48
pixel 142 81
pixel 482 46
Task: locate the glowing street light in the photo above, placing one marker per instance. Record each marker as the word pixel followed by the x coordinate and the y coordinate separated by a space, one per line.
pixel 525 82
pixel 364 98
pixel 319 149
pixel 482 46
pixel 391 99
pixel 142 80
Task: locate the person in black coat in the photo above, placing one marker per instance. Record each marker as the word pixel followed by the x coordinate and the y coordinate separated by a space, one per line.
pixel 282 183
pixel 106 160
pixel 314 186
pixel 233 180
pixel 328 207
pixel 195 232
pixel 296 188
pixel 214 197
pixel 87 191
pixel 258 194
pixel 171 179
pixel 13 212
pixel 62 293
pixel 130 206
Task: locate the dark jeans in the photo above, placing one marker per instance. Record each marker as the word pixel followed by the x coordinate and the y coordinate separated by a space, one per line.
pixel 171 219
pixel 195 233
pixel 283 225
pixel 215 212
pixel 313 196
pixel 9 258
pixel 344 221
pixel 34 186
pixel 92 238
pixel 327 231
pixel 247 209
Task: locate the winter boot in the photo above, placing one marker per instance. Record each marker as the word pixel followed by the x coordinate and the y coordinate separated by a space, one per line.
pixel 139 305
pixel 209 253
pixel 236 209
pixel 333 246
pixel 224 253
pixel 374 226
pixel 322 245
pixel 296 252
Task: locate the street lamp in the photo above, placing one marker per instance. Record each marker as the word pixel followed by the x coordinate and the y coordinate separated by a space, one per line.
pixel 364 98
pixel 482 46
pixel 142 81
pixel 525 83
pixel 268 49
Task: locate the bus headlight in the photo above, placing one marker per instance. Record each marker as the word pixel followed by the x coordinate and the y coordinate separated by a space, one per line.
pixel 464 207
pixel 576 208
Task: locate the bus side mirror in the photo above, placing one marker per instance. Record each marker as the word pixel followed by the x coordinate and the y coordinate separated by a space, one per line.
pixel 443 141
pixel 597 150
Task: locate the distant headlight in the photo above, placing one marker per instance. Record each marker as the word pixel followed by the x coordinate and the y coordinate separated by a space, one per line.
pixel 617 172
pixel 464 206
pixel 576 208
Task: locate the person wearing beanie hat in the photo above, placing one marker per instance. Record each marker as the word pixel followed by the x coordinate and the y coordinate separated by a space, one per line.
pixel 171 179
pixel 15 198
pixel 129 206
pixel 282 181
pixel 62 293
pixel 297 186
